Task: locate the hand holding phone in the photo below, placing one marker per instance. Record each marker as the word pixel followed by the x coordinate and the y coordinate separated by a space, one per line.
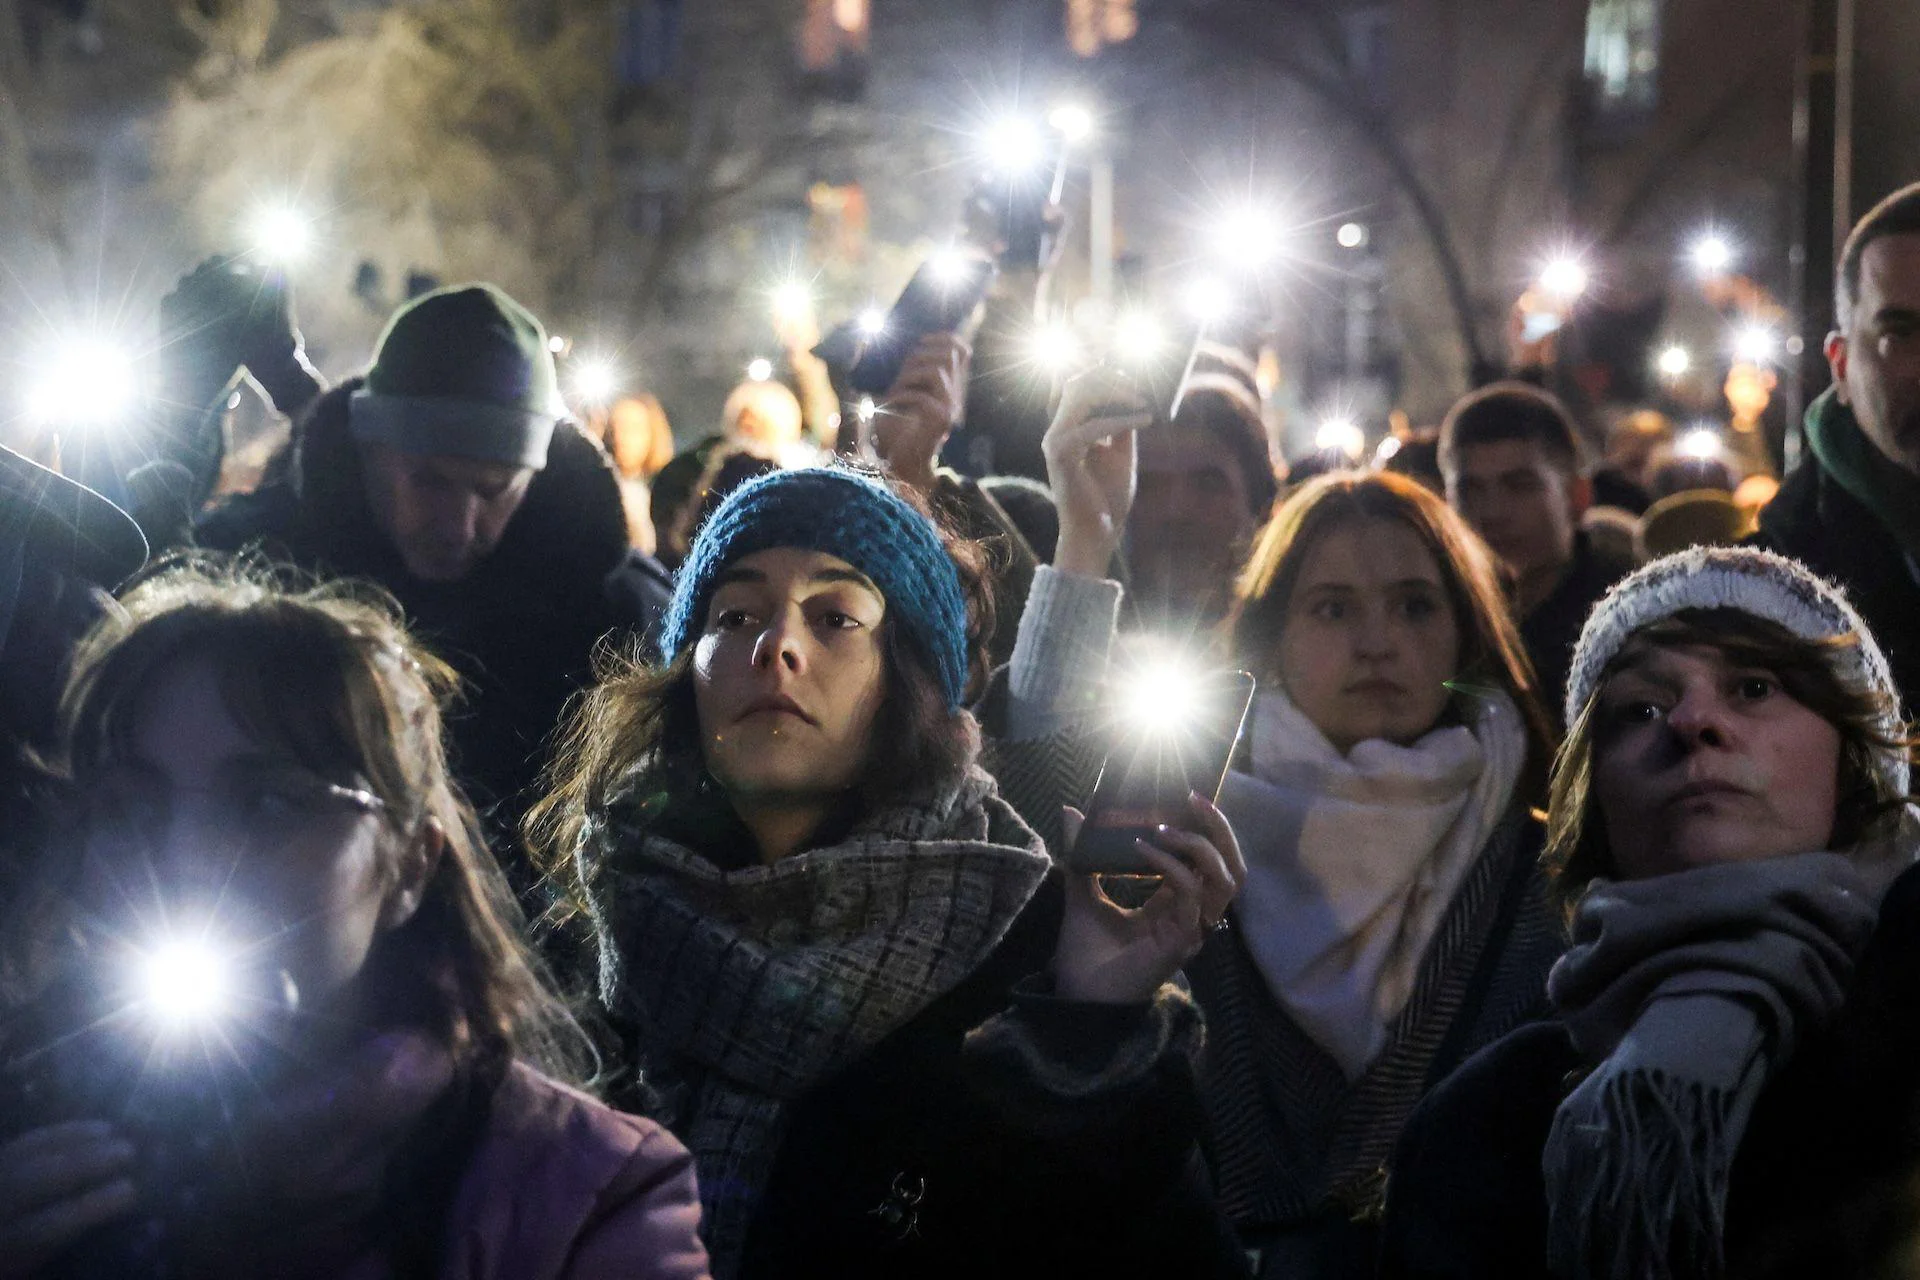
pixel 944 291
pixel 1093 465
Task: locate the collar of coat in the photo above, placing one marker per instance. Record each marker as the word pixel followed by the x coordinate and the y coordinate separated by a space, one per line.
pixel 569 533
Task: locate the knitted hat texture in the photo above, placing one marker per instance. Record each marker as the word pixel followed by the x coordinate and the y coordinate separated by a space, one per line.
pixel 463 371
pixel 846 515
pixel 1755 582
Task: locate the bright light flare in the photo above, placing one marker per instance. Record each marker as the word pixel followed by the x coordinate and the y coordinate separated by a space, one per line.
pixel 1208 300
pixel 1013 146
pixel 281 234
pixel 1674 361
pixel 949 267
pixel 760 370
pixel 1343 434
pixel 1711 254
pixel 1756 344
pixel 1138 337
pixel 1699 444
pixel 1564 278
pixel 1161 696
pixel 872 322
pixel 84 381
pixel 596 381
pixel 866 409
pixel 557 345
pixel 1351 235
pixel 1072 121
pixel 1054 347
pixel 185 983
pixel 1246 237
pixel 792 302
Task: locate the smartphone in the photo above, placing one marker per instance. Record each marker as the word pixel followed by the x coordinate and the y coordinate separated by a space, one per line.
pixel 1152 767
pixel 937 300
pixel 1160 375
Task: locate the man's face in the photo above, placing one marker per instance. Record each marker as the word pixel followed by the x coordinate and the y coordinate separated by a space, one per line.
pixel 1876 355
pixel 1190 522
pixel 1519 500
pixel 443 514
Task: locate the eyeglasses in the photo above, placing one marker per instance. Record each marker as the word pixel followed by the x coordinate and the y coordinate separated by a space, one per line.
pixel 259 810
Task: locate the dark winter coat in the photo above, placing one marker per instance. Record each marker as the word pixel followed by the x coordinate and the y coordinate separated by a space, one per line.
pixel 1552 628
pixel 1024 1180
pixel 520 629
pixel 1822 1183
pixel 1820 524
pixel 1299 1152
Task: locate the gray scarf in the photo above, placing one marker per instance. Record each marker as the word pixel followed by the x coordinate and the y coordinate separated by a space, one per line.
pixel 1689 992
pixel 750 987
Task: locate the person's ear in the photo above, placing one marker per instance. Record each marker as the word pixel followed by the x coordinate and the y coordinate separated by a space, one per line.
pixel 418 865
pixel 1837 354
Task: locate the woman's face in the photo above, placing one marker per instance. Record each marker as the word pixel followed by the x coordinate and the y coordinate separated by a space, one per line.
pixel 788 676
pixel 1371 635
pixel 202 835
pixel 1699 761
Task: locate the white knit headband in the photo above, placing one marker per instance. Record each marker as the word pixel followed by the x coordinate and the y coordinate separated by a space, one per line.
pixel 1754 582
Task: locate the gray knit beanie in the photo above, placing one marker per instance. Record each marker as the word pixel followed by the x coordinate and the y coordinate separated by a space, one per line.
pixel 1755 582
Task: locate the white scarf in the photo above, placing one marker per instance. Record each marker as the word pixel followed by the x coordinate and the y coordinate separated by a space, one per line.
pixel 1353 860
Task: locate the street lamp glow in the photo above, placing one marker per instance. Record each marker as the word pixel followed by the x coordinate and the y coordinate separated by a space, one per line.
pixel 1245 237
pixel 792 302
pixel 1699 444
pixel 1755 344
pixel 83 381
pixel 1137 337
pixel 872 322
pixel 184 983
pixel 1351 235
pixel 1711 254
pixel 759 370
pixel 1564 278
pixel 281 234
pixel 1208 300
pixel 1343 434
pixel 1054 347
pixel 596 381
pixel 1013 146
pixel 1072 121
pixel 1674 361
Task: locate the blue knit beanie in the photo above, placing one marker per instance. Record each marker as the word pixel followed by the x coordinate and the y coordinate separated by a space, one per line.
pixel 846 515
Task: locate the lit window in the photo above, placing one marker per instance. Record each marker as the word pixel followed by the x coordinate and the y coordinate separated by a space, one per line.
pixel 1623 57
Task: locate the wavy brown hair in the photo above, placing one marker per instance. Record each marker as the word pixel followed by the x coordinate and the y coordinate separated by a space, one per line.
pixel 1577 851
pixel 634 738
pixel 330 675
pixel 1491 653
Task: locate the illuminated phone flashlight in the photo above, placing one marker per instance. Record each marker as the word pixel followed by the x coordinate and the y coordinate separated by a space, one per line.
pixel 792 302
pixel 1161 696
pixel 1137 337
pixel 1699 444
pixel 1755 344
pixel 595 380
pixel 1343 434
pixel 1013 147
pixel 1054 347
pixel 1674 361
pixel 1245 236
pixel 1208 300
pixel 759 370
pixel 872 322
pixel 1711 254
pixel 84 380
pixel 1564 278
pixel 184 983
pixel 280 234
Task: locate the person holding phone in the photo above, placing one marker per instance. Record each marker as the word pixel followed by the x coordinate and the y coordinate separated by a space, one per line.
pixel 1393 918
pixel 252 797
pixel 900 1041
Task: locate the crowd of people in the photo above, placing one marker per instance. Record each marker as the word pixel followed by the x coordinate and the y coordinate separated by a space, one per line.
pixel 495 845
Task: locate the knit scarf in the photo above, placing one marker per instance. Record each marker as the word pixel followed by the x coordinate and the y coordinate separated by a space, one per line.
pixel 750 987
pixel 1890 492
pixel 1689 991
pixel 1352 860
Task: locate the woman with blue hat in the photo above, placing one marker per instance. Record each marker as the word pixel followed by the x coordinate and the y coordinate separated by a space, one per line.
pixel 899 1040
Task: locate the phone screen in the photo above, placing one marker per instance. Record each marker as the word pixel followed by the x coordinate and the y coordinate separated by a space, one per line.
pixel 937 300
pixel 1153 763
